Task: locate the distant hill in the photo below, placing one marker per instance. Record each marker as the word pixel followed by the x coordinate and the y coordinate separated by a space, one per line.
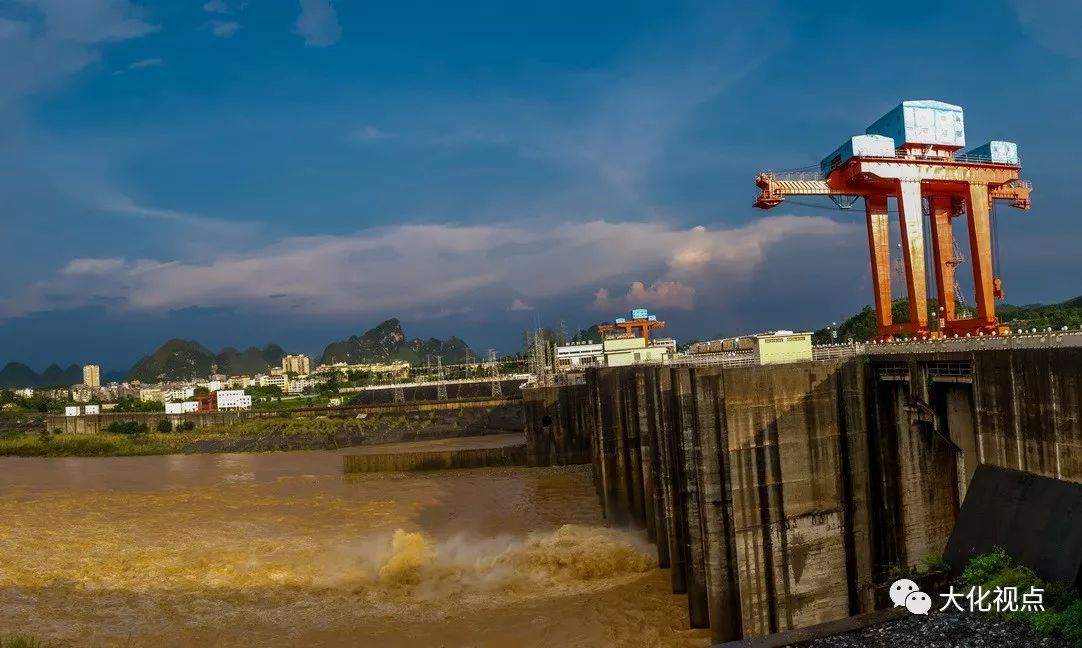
pixel 16 374
pixel 180 359
pixel 861 326
pixel 386 341
pixel 249 361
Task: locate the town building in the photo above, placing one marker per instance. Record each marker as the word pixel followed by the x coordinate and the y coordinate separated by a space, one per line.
pixel 233 399
pixel 298 364
pixel 92 376
pixel 84 394
pixel 178 394
pixel 151 395
pixel 91 409
pixel 238 382
pixel 279 381
pixel 72 410
pixel 300 384
pixel 395 369
pixel 181 408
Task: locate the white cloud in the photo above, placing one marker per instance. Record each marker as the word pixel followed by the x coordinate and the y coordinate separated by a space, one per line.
pixel 54 39
pixel 432 267
pixel 371 133
pixel 318 23
pixel 660 295
pixel 519 305
pixel 92 266
pixel 146 63
pixel 222 28
pixel 216 6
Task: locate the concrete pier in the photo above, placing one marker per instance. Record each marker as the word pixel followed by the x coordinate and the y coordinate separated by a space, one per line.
pixel 444 454
pixel 781 496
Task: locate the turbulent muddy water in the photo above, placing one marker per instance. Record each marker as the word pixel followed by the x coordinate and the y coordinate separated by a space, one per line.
pixel 281 549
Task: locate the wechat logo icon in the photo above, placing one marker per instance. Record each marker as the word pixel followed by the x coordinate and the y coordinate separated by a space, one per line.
pixel 905 593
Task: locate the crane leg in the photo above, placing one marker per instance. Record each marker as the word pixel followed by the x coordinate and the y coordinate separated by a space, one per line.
pixel 911 219
pixel 879 245
pixel 943 253
pixel 980 245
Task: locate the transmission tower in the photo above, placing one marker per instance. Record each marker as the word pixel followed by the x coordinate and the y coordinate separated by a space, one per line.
pixel 441 387
pixel 497 385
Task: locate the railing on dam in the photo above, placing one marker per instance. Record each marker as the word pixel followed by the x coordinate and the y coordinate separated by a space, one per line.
pixel 1031 340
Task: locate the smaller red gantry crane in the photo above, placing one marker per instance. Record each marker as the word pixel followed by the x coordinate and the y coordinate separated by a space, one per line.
pixel 640 325
pixel 911 155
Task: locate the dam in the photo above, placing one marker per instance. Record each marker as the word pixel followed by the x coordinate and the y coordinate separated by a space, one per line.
pixel 781 497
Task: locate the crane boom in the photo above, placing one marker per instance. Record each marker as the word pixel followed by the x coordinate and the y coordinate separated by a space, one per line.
pixel 775 187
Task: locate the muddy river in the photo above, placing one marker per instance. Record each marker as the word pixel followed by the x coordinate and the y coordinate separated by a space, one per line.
pixel 281 549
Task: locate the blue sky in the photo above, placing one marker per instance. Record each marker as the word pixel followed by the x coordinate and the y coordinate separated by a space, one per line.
pixel 242 172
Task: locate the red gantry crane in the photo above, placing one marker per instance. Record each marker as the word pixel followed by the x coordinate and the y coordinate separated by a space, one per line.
pixel 640 325
pixel 910 155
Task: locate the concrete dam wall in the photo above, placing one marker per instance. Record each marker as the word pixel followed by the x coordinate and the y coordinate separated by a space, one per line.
pixel 782 496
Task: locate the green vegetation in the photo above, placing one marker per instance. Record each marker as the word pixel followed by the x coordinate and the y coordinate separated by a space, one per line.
pixel 127 427
pixel 861 327
pixel 134 439
pixel 136 405
pixel 1062 614
pixel 164 426
pixel 933 563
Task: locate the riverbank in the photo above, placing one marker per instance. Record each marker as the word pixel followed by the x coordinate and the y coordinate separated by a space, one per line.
pixel 263 435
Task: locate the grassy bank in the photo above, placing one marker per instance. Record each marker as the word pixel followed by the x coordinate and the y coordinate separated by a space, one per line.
pixel 1062 614
pixel 247 435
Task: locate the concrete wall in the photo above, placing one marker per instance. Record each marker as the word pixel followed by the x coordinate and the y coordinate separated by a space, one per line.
pixel 510 388
pixel 435 460
pixel 781 496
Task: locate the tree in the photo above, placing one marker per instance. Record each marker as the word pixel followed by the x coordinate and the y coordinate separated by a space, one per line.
pixel 164 426
pixel 202 391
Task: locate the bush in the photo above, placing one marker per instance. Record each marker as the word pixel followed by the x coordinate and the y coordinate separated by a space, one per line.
pixel 164 426
pixel 186 426
pixel 934 563
pixel 1062 615
pixel 127 427
pixel 982 569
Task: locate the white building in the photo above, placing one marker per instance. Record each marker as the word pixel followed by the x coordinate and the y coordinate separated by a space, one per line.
pixel 214 385
pixel 579 354
pixel 276 381
pixel 178 393
pixel 92 409
pixel 25 392
pixel 781 347
pixel 233 399
pixel 621 351
pixel 72 410
pixel 181 408
pixel 298 385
